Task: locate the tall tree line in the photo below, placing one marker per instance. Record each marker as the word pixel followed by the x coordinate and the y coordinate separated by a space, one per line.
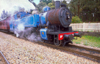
pixel 87 10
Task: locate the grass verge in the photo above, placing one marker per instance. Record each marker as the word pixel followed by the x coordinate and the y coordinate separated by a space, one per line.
pixel 88 41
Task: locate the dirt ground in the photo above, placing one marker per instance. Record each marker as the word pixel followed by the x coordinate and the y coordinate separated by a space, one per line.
pixel 19 51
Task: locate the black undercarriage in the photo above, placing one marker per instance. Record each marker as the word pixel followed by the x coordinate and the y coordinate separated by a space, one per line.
pixel 53 32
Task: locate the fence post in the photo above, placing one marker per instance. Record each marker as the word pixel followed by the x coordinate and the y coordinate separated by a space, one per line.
pixel 83 27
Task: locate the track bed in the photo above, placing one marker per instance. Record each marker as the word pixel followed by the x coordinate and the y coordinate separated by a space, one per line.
pixel 20 51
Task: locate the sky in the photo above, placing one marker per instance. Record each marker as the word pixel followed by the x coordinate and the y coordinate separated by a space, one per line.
pixel 11 5
pixel 37 1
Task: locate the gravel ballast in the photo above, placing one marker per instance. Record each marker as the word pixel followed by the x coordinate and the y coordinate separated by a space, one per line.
pixel 19 51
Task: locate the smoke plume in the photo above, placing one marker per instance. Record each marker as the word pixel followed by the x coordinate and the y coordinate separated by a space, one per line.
pixel 29 33
pixel 12 6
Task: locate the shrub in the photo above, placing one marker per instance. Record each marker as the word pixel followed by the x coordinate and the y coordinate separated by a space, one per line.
pixel 76 19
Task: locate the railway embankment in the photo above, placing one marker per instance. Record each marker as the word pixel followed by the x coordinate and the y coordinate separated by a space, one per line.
pixel 19 51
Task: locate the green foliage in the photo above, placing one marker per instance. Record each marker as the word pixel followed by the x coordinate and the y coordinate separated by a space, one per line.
pixel 85 9
pixel 86 43
pixel 51 5
pixel 40 6
pixel 77 42
pixel 64 2
pixel 76 19
pixel 46 1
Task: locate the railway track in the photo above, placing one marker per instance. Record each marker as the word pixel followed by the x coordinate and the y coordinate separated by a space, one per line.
pixel 73 48
pixel 86 51
pixel 80 50
pixel 3 60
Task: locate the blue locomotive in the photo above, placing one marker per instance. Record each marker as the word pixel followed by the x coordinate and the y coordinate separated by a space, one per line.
pixel 51 25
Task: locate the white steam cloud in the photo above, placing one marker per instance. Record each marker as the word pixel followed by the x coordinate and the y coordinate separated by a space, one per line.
pixel 20 27
pixel 13 5
pixel 27 33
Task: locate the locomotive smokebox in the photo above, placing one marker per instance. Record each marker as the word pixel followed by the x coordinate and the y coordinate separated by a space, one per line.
pixel 57 4
pixel 59 16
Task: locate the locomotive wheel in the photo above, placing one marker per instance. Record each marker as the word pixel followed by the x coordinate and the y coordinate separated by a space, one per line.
pixel 58 43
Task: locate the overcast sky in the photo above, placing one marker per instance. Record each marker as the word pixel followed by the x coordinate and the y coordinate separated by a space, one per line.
pixel 62 0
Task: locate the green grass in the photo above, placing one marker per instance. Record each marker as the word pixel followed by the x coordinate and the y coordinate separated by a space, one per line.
pixel 88 41
pixel 77 42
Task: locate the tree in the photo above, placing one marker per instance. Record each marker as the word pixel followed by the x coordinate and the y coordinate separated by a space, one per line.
pixel 4 14
pixel 64 2
pixel 46 1
pixel 51 5
pixel 86 9
pixel 31 1
pixel 40 6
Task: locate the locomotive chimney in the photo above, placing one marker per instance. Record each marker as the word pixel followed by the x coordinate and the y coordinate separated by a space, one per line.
pixel 57 4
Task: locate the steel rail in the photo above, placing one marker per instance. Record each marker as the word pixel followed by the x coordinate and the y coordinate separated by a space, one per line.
pixel 85 47
pixel 6 61
pixel 70 49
